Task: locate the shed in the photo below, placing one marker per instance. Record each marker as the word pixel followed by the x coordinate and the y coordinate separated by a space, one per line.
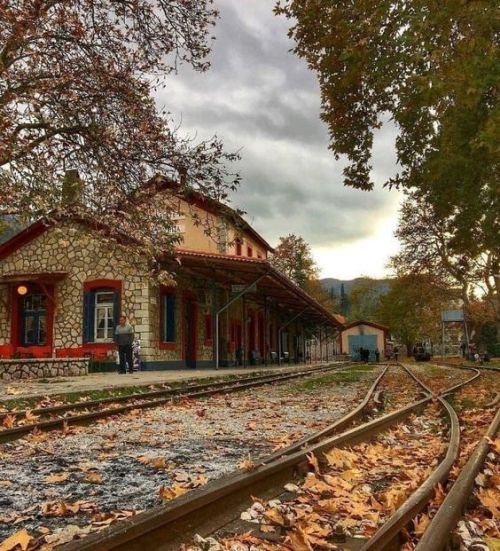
pixel 364 334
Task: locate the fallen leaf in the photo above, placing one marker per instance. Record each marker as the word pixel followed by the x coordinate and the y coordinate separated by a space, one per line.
pixel 93 478
pixel 298 541
pixel 490 499
pixel 22 538
pixel 169 493
pixel 247 464
pixel 313 461
pixel 8 421
pixel 56 478
pixel 421 524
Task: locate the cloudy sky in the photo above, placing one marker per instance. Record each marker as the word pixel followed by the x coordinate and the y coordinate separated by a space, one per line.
pixel 260 98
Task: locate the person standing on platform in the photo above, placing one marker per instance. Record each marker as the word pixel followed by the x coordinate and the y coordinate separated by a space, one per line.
pixel 396 353
pixel 124 338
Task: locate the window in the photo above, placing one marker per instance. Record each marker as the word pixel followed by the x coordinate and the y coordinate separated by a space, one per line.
pixel 239 244
pixel 34 320
pixel 104 323
pixel 101 311
pixel 168 317
pixel 249 251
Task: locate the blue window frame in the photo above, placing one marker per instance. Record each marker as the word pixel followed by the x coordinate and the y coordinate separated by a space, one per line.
pixel 168 318
pixel 34 320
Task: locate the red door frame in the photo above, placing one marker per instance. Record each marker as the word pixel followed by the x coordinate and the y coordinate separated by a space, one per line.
pixel 45 350
pixel 251 331
pixel 260 334
pixel 189 301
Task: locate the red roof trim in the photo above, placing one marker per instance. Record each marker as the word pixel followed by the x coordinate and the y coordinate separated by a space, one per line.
pixel 23 237
pixel 220 256
pixel 366 322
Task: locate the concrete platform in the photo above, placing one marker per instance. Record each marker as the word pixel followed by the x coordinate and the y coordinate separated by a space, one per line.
pixel 101 381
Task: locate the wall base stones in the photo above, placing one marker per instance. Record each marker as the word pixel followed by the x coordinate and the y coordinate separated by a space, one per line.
pixel 34 368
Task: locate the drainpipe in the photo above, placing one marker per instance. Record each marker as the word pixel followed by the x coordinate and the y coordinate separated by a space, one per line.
pixel 225 307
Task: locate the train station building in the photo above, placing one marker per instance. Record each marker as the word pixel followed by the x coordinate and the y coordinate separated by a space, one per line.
pixel 63 287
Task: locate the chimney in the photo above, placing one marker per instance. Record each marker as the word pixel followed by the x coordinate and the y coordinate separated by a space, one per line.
pixel 72 188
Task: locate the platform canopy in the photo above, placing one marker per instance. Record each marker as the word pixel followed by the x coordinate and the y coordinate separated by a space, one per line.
pixel 235 272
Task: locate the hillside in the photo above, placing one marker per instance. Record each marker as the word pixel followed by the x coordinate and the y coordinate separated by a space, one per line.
pixel 381 285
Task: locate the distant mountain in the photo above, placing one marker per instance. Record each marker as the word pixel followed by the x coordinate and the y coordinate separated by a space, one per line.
pixel 356 298
pixel 328 283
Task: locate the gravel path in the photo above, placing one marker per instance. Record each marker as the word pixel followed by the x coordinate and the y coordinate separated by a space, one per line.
pixel 125 463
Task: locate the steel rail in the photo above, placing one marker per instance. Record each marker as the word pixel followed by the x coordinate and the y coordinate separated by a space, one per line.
pixel 388 533
pixel 437 534
pixel 14 433
pixel 342 423
pixel 467 366
pixel 206 509
pixel 141 395
pixel 417 501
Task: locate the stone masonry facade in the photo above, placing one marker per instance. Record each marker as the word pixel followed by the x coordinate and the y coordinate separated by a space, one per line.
pixel 73 249
pixel 11 370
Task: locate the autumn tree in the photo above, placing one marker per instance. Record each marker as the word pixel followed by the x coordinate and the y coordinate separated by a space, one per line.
pixel 364 298
pixel 432 69
pixel 429 247
pixel 412 308
pixel 77 79
pixel 293 258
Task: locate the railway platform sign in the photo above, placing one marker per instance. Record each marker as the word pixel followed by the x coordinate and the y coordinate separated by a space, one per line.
pixel 450 316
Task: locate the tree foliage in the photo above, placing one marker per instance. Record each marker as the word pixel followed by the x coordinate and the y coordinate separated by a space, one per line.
pixel 293 258
pixel 412 308
pixel 432 66
pixel 429 247
pixel 76 83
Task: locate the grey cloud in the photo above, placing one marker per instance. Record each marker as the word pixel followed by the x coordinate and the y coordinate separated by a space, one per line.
pixel 260 97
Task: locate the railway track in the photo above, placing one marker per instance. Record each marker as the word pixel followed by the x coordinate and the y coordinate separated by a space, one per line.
pixel 220 503
pixel 133 402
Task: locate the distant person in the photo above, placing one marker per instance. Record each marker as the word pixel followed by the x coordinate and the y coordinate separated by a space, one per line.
pixel 124 338
pixel 361 353
pixel 396 353
pixel 377 355
pixel 463 347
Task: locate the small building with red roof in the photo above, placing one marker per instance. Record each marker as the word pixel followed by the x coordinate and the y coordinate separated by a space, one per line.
pixel 365 334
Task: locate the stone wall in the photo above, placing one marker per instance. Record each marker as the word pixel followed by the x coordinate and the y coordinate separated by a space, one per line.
pixel 41 368
pixel 76 251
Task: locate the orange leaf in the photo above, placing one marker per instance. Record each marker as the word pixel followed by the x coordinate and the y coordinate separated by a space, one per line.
pixel 298 541
pixel 247 464
pixel 491 500
pixel 313 461
pixel 421 524
pixel 169 493
pixel 8 421
pixel 21 538
pixel 56 478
